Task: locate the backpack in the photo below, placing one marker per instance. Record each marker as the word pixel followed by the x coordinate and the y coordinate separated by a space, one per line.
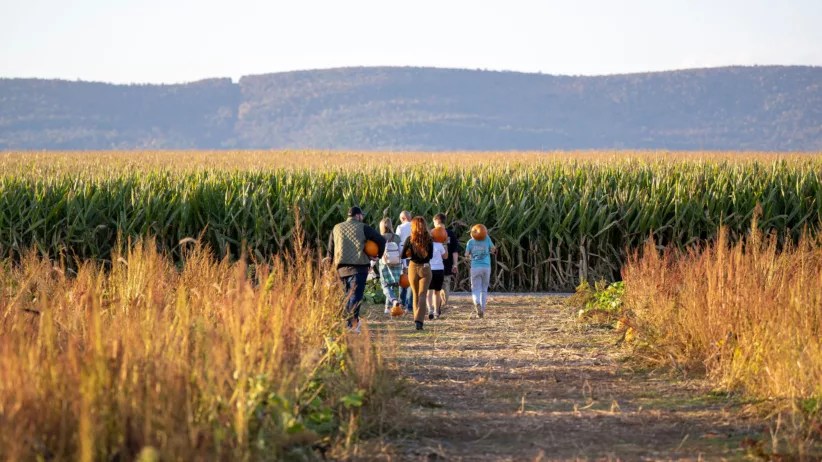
pixel 391 256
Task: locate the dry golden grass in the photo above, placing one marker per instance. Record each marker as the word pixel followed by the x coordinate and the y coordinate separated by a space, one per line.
pixel 749 314
pixel 114 161
pixel 213 361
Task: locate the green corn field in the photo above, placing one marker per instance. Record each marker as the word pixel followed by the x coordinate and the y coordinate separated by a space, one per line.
pixel 555 219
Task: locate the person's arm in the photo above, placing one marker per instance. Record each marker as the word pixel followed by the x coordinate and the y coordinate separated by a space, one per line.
pixel 406 248
pixel 454 248
pixel 330 256
pixel 493 248
pixel 372 235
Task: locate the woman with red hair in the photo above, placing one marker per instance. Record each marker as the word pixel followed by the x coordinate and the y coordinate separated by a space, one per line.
pixel 419 248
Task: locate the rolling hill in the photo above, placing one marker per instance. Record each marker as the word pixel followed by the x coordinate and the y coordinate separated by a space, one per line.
pixel 390 108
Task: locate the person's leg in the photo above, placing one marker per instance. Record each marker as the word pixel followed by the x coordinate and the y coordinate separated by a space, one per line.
pixel 388 291
pixel 486 280
pixel 409 299
pixel 437 300
pixel 392 290
pixel 348 284
pixel 476 289
pixel 414 279
pixel 425 281
pixel 446 290
pixel 407 295
pixel 429 300
pixel 434 305
pixel 358 291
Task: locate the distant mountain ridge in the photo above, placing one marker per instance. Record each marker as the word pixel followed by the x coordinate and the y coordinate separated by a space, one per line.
pixel 405 108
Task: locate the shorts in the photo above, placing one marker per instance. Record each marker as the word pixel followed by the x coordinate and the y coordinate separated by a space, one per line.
pixel 437 276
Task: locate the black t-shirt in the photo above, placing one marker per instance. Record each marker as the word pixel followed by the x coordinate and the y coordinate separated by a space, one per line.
pixel 409 252
pixel 452 246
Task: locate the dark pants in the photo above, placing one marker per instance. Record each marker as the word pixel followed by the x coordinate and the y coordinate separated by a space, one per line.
pixel 354 287
pixel 405 298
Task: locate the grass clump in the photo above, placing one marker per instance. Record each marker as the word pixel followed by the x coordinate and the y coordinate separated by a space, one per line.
pixel 210 361
pixel 601 304
pixel 748 314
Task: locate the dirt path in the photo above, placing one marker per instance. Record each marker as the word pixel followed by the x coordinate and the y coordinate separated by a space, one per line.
pixel 528 383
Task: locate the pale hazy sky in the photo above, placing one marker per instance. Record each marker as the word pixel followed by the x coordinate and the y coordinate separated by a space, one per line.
pixel 175 41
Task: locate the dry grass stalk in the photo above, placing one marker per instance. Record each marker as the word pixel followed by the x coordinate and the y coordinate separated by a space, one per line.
pixel 748 314
pixel 216 360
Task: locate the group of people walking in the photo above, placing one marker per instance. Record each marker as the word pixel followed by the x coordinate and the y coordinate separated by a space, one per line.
pixel 429 258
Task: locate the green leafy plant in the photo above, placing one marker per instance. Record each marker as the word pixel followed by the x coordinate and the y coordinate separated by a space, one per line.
pixel 373 292
pixel 602 303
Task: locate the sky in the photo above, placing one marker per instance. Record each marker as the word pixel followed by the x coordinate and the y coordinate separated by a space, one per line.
pixel 171 41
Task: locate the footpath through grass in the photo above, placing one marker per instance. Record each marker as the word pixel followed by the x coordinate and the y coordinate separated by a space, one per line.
pixel 529 383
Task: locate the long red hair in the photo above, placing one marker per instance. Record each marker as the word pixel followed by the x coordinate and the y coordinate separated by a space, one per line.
pixel 420 236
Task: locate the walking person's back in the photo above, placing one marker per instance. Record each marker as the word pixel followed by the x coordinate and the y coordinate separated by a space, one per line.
pixel 346 250
pixel 479 249
pixel 390 265
pixel 419 248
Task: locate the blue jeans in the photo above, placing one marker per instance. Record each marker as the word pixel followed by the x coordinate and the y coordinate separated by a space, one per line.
pixel 480 279
pixel 406 298
pixel 354 287
pixel 389 289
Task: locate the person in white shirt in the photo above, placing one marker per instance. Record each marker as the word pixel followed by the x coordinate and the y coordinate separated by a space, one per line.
pixel 437 277
pixel 404 230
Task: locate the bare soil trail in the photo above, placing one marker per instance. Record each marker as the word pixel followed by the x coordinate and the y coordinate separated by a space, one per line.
pixel 529 383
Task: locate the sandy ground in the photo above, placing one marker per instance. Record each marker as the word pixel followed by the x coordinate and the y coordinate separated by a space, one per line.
pixel 529 383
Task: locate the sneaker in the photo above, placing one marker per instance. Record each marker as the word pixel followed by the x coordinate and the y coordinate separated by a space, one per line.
pixel 418 324
pixel 387 311
pixel 430 316
pixel 480 314
pixel 355 329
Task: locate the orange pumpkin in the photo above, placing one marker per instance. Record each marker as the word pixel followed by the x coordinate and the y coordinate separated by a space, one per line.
pixel 404 283
pixel 479 232
pixel 397 311
pixel 439 234
pixel 372 249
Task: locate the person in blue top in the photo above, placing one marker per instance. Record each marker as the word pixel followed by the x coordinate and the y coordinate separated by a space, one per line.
pixel 479 250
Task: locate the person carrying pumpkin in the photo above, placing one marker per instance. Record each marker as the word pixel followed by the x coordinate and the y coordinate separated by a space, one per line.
pixel 434 299
pixel 346 250
pixel 479 249
pixel 390 265
pixel 419 248
pixel 404 230
pixel 451 260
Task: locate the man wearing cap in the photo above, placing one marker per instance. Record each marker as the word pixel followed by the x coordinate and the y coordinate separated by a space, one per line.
pixel 346 249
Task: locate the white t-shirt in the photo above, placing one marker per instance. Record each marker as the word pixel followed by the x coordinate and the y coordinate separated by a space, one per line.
pixel 404 230
pixel 436 259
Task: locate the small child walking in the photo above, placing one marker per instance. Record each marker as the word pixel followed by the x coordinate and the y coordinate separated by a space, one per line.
pixel 433 298
pixel 390 265
pixel 479 249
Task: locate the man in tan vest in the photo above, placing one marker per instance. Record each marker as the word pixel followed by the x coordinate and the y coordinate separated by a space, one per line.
pixel 346 250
